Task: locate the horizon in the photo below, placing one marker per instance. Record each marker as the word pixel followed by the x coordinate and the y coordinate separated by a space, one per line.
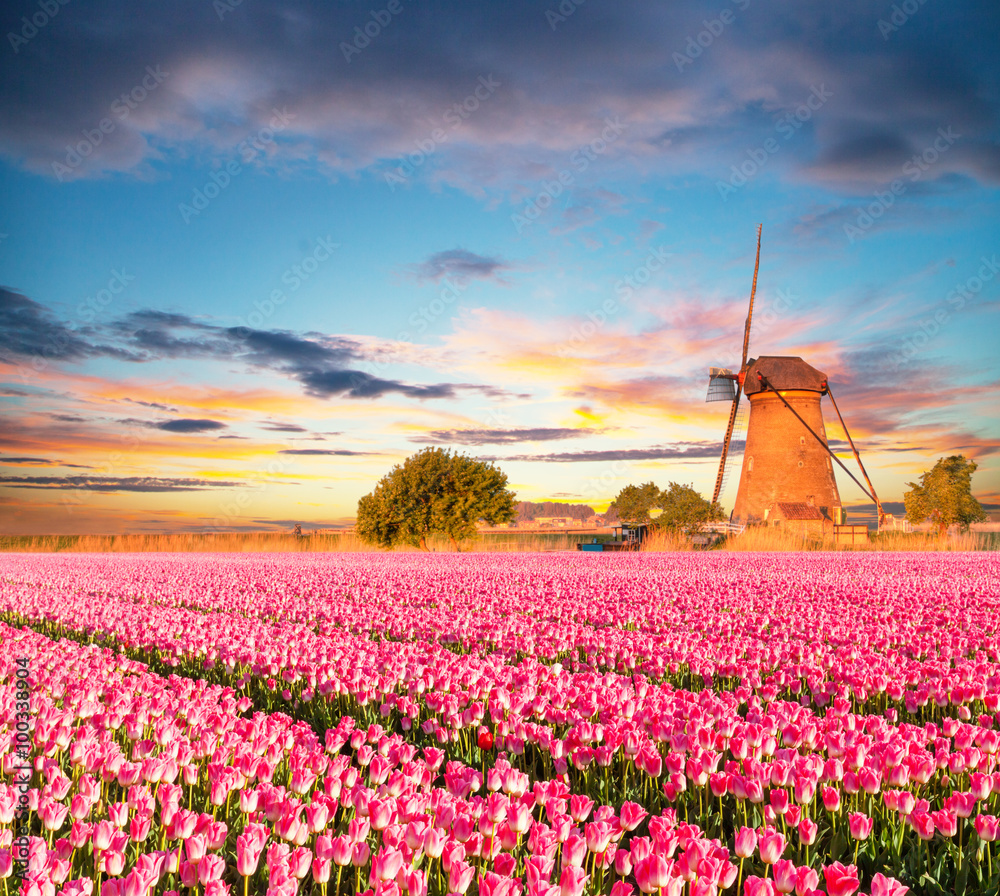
pixel 254 255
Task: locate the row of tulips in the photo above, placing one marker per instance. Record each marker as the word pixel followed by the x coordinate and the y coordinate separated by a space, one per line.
pixel 927 623
pixel 167 785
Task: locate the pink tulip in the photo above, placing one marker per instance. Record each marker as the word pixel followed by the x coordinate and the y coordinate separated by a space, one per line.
pixel 573 881
pixel 806 880
pixel 772 845
pixel 986 827
pixel 841 880
pixel 887 886
pixel 784 876
pixel 946 822
pixel 387 863
pixel 460 876
pixel 758 886
pixel 860 825
pixel 746 842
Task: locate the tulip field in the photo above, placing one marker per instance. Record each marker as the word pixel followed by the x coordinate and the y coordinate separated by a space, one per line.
pixel 499 724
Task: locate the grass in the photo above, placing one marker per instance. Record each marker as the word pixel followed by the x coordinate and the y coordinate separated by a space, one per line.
pixel 761 539
pixel 266 542
pixel 757 539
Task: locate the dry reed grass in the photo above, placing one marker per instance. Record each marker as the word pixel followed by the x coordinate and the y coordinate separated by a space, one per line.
pixel 270 542
pixel 756 539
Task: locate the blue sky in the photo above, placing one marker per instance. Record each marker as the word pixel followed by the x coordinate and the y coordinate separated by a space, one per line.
pixel 233 234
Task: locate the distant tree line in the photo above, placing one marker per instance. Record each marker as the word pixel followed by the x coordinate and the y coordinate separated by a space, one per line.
pixel 532 510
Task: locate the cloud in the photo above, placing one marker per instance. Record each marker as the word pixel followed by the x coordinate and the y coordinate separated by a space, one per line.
pixel 111 484
pixel 331 452
pixel 32 333
pixel 460 265
pixel 682 451
pixel 181 425
pixel 324 365
pixel 500 436
pixel 553 88
pixel 282 427
pixel 26 460
pixel 155 405
pixel 189 424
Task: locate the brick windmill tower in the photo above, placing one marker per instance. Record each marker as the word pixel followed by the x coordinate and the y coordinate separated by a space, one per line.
pixel 787 469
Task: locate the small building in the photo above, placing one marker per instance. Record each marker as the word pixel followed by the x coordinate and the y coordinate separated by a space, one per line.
pixel 799 516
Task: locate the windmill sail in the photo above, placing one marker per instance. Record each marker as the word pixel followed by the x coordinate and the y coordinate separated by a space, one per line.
pixel 716 376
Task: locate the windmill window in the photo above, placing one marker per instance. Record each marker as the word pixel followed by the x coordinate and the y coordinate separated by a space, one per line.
pixel 750 465
pixel 800 463
pixel 802 440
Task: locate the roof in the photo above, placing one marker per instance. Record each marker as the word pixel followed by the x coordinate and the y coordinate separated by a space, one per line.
pixel 798 510
pixel 783 373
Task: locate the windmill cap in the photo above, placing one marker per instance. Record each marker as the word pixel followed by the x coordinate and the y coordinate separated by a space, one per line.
pixel 784 373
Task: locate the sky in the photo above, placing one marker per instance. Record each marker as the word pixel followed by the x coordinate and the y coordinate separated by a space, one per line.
pixel 253 254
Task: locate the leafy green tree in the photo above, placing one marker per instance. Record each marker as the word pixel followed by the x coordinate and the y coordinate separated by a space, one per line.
pixel 634 503
pixel 679 508
pixel 434 491
pixel 944 495
pixel 684 510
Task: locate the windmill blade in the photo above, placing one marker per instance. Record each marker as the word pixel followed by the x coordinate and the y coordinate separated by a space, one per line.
pixel 725 445
pixel 753 292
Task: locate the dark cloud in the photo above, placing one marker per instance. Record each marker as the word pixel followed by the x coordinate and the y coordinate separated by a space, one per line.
pixel 182 424
pixel 155 405
pixel 69 418
pixel 330 452
pixel 31 333
pixel 189 424
pixel 111 484
pixel 555 85
pixel 460 265
pixel 326 383
pixel 684 451
pixel 500 436
pixel 25 460
pixel 319 363
pixel 282 427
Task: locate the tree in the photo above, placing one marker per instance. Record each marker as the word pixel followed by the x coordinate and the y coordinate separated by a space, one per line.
pixel 685 510
pixel 944 495
pixel 634 503
pixel 434 491
pixel 679 508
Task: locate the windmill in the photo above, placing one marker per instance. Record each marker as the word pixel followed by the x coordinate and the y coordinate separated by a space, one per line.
pixel 787 463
